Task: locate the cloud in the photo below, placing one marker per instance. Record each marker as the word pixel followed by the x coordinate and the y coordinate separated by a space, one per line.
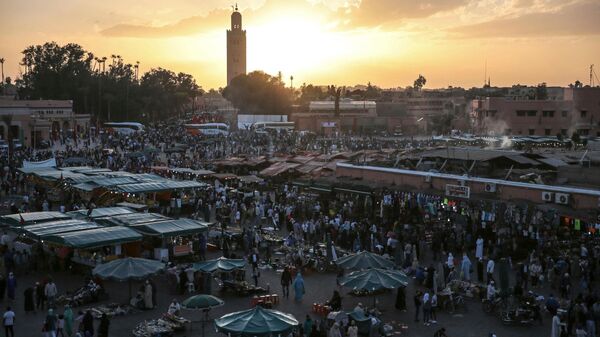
pixel 187 26
pixel 370 13
pixel 580 18
pixel 358 14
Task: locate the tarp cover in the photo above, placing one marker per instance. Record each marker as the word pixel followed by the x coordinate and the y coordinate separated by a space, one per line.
pixel 256 322
pixel 364 260
pixel 101 212
pixel 30 218
pixel 35 164
pixel 94 238
pixel 129 268
pixel 170 228
pixel 46 229
pixel 375 279
pixel 220 264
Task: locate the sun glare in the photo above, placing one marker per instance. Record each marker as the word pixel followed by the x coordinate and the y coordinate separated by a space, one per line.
pixel 293 46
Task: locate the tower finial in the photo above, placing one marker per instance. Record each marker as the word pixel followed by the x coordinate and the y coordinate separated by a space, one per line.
pixel 236 7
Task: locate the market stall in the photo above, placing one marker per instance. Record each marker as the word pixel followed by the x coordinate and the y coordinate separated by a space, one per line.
pixel 257 322
pixel 94 246
pixel 176 235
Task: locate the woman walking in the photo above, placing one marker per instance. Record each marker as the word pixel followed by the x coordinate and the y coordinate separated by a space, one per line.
pixel 299 287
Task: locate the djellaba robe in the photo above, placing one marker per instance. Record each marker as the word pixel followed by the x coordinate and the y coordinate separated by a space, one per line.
pixel 299 287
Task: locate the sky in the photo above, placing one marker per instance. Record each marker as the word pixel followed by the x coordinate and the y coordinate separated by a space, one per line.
pixel 343 42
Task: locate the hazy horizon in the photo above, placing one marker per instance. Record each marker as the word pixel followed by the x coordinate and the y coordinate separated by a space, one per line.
pixel 385 42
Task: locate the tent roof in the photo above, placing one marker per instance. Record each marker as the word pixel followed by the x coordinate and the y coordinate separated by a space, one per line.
pixel 14 220
pixel 132 219
pixel 101 212
pixel 170 228
pixel 55 227
pixel 158 186
pixel 98 237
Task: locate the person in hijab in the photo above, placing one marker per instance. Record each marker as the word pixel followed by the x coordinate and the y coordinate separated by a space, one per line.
pixel 88 323
pixel 352 329
pixel 103 327
pixel 51 322
pixel 299 287
pixel 68 316
pixel 148 295
pixel 11 285
pixel 465 268
pixel 401 299
pixel 29 301
pixel 335 330
pixel 336 301
pixel 308 326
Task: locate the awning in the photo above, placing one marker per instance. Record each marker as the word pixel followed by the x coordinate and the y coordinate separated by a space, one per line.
pixel 132 219
pixel 94 238
pixel 100 212
pixel 23 219
pixel 159 186
pixel 171 228
pixel 46 229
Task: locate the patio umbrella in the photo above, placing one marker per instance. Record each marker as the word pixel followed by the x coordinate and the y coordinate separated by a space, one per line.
pixel 256 322
pixel 364 260
pixel 204 303
pixel 128 269
pixel 220 264
pixel 374 279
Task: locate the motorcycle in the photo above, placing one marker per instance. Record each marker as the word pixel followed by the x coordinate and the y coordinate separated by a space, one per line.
pixel 493 305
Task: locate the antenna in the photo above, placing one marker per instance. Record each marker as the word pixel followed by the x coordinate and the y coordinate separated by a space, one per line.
pixel 485 73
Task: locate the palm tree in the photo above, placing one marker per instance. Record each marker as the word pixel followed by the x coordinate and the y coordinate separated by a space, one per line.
pixel 7 120
pixel 2 65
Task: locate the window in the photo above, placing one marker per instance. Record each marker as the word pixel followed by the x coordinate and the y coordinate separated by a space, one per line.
pixel 521 113
pixel 549 113
pixel 563 132
pixel 547 132
pixel 583 114
pixel 531 113
pixel 532 132
pixel 583 132
pixel 564 113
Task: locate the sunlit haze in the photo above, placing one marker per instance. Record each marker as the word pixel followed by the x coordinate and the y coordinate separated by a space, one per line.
pixel 386 42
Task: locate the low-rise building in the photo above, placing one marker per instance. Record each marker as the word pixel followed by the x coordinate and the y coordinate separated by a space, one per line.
pixel 37 120
pixel 576 110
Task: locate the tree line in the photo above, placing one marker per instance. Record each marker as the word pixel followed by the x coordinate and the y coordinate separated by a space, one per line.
pixel 107 87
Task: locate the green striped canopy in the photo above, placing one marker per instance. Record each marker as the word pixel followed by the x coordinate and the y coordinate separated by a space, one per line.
pixel 257 322
pixel 375 279
pixel 364 260
pixel 129 268
pixel 202 302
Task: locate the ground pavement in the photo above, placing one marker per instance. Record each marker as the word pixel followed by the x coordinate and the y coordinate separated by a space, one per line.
pixel 319 287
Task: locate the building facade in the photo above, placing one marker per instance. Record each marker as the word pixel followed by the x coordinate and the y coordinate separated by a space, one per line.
pixel 236 47
pixel 39 120
pixel 355 116
pixel 576 110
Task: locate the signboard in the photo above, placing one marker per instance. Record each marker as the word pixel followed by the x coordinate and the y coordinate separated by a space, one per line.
pixel 182 250
pixel 458 191
pixel 328 124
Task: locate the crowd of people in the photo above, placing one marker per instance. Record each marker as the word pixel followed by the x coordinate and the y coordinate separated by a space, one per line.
pixel 434 239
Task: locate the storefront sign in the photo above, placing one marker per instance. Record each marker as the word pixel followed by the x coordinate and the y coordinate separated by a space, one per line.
pixel 328 124
pixel 182 250
pixel 458 191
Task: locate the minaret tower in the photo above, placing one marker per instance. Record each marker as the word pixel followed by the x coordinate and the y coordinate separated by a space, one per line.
pixel 236 47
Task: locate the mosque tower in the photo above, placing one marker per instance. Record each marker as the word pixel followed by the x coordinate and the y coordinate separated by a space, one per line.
pixel 236 47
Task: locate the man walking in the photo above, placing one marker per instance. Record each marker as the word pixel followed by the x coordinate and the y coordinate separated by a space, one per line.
pixel 9 322
pixel 286 280
pixel 50 291
pixel 417 299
